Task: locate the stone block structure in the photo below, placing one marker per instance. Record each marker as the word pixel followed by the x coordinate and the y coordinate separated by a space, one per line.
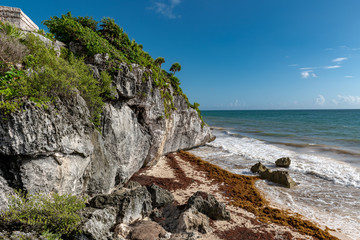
pixel 18 18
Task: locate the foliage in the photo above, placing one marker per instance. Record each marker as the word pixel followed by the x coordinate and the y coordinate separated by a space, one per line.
pixel 11 30
pixel 176 67
pixel 10 88
pixel 196 107
pixel 159 61
pixel 51 77
pixel 55 214
pixel 68 29
pixel 46 34
pixel 87 22
pixel 107 90
pixel 11 51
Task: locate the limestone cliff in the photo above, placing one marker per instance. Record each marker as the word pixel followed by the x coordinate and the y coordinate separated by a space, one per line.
pixel 57 149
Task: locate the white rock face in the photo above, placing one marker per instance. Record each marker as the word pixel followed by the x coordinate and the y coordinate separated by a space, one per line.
pixel 59 150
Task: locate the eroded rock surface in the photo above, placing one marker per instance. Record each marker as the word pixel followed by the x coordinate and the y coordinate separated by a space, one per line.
pixel 208 205
pixel 57 148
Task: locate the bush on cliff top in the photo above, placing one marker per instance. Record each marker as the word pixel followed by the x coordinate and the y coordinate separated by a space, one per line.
pixel 50 77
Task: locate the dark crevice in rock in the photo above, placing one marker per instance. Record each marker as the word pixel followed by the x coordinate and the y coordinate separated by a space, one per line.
pixel 10 171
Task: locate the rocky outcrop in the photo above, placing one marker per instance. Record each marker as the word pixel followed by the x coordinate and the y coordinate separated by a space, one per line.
pixel 159 196
pixel 208 205
pixel 57 149
pixel 192 220
pixel 283 162
pixel 281 177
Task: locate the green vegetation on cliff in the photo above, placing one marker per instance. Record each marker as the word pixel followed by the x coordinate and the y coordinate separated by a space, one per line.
pixel 48 77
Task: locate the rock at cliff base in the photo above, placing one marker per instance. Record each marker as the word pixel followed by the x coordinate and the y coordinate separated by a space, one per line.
pixel 208 205
pixel 147 230
pixel 193 221
pixel 99 225
pixel 283 162
pixel 159 196
pixel 131 205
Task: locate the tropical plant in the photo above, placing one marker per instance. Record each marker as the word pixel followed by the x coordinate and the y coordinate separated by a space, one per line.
pixel 176 67
pixel 87 22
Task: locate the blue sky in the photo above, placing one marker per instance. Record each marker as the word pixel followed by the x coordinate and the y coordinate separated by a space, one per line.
pixel 237 54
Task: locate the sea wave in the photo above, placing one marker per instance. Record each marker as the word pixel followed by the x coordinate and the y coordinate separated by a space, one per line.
pixel 319 147
pixel 257 150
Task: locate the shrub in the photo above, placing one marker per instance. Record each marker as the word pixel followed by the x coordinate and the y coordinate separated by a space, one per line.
pixel 68 29
pixel 55 77
pixel 11 30
pixel 87 22
pixel 51 77
pixel 55 213
pixel 11 52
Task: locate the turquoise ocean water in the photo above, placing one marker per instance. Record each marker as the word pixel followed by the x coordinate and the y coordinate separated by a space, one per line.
pixel 324 146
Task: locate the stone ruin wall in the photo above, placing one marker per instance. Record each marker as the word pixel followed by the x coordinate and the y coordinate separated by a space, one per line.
pixel 18 18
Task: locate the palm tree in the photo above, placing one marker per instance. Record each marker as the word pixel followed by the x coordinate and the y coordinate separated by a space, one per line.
pixel 176 67
pixel 159 61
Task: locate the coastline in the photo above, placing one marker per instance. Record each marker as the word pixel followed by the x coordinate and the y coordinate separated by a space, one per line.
pixel 184 174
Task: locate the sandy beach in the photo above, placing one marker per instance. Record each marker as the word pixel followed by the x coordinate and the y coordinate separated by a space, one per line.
pixel 183 174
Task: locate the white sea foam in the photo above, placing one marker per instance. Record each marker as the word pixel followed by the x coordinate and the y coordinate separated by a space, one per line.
pixel 306 163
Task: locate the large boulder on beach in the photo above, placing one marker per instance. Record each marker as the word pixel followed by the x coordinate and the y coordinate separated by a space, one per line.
pixel 208 205
pixel 147 230
pixel 283 162
pixel 193 221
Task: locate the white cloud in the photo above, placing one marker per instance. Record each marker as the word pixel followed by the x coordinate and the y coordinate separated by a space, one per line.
pixel 306 68
pixel 305 74
pixel 340 59
pixel 332 67
pixel 348 76
pixel 166 7
pixel 349 99
pixel 320 100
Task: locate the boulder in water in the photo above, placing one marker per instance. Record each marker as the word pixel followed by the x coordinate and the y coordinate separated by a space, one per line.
pixel 258 168
pixel 283 178
pixel 280 177
pixel 283 162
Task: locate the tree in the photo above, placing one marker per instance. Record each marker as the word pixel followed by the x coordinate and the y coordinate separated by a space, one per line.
pixel 159 61
pixel 176 67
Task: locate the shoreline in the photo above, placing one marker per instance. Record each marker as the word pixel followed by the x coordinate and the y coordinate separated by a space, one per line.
pixel 183 174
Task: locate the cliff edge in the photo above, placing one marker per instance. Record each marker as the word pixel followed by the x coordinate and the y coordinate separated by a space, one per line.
pixel 57 148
